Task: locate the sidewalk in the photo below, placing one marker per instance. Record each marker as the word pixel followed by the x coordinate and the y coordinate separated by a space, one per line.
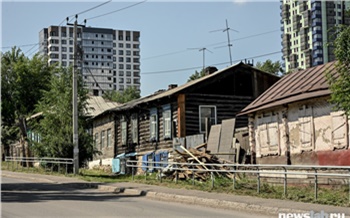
pixel 216 200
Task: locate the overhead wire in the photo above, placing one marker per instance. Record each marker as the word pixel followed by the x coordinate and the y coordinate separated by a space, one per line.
pixel 217 64
pixel 91 18
pixel 209 45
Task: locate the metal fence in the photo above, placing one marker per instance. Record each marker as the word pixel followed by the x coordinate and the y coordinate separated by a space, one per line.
pixel 257 170
pixel 45 161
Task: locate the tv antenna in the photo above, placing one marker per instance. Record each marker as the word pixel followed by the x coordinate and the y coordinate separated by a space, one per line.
pixel 228 38
pixel 203 50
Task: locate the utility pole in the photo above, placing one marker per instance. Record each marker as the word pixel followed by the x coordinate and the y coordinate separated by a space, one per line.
pixel 75 98
pixel 203 50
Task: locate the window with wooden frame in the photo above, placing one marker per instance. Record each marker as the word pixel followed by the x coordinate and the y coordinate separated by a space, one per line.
pixel 206 111
pixel 124 127
pixel 109 137
pixel 153 124
pixel 167 121
pixel 96 140
pixel 134 129
pixel 102 143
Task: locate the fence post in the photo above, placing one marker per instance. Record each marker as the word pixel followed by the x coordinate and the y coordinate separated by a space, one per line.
pixel 66 168
pixel 192 177
pixel 316 186
pixel 234 180
pixel 285 182
pixel 258 177
pixel 132 173
pixel 212 180
pixel 176 176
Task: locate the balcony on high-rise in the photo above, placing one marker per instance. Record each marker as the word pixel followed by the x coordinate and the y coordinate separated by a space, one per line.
pixel 306 16
pixel 316 5
pixel 303 6
pixel 285 11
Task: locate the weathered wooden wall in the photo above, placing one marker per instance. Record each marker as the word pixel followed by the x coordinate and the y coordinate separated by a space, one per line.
pixel 226 107
pixel 103 123
pixel 144 143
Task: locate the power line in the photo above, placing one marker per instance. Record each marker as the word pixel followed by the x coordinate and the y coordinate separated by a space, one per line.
pixel 82 12
pixel 92 8
pixel 26 45
pixel 217 64
pixel 31 49
pixel 209 45
pixel 116 10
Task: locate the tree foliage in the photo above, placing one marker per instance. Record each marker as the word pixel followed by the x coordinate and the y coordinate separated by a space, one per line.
pixel 340 85
pixel 22 82
pixel 130 93
pixel 55 127
pixel 271 67
pixel 202 73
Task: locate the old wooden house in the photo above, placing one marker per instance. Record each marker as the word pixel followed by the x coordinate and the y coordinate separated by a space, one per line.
pixel 103 128
pixel 150 123
pixel 294 123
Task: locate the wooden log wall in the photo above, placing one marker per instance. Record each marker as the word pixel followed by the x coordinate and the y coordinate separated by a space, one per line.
pixel 226 107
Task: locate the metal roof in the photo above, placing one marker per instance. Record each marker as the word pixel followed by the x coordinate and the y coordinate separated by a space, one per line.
pixel 98 105
pixel 178 89
pixel 297 86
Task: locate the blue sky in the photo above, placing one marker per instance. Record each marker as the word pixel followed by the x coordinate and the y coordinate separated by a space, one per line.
pixel 168 31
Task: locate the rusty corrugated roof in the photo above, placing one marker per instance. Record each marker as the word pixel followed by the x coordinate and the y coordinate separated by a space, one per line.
pixel 301 85
pixel 98 105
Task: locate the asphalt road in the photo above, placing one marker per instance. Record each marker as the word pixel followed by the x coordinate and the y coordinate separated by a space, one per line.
pixel 20 198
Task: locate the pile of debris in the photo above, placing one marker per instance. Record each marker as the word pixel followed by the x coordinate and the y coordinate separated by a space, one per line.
pixel 199 170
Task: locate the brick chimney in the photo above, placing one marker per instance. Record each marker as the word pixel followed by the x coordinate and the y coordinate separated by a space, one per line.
pixel 171 86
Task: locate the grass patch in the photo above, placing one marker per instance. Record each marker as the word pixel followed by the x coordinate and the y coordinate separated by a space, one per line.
pixel 330 195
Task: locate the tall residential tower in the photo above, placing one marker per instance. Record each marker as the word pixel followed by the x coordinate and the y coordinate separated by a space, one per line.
pixel 110 60
pixel 308 29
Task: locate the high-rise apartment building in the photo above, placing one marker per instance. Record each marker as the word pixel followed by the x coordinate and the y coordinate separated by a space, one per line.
pixel 110 58
pixel 308 29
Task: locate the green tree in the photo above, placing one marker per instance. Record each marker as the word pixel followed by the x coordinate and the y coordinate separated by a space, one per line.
pixel 55 127
pixel 22 82
pixel 202 73
pixel 128 94
pixel 271 67
pixel 340 84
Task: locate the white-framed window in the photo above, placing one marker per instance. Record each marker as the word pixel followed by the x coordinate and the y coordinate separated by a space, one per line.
pixel 109 137
pixel 134 129
pixel 167 121
pixel 153 124
pixel 103 139
pixel 124 132
pixel 206 111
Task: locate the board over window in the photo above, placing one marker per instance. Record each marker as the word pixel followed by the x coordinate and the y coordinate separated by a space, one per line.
pixel 305 127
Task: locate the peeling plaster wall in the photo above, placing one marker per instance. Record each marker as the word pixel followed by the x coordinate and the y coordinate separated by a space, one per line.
pixel 305 130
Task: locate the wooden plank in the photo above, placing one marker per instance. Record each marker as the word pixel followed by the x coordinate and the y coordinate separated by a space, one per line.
pixel 194 157
pixel 226 137
pixel 214 138
pixel 181 111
